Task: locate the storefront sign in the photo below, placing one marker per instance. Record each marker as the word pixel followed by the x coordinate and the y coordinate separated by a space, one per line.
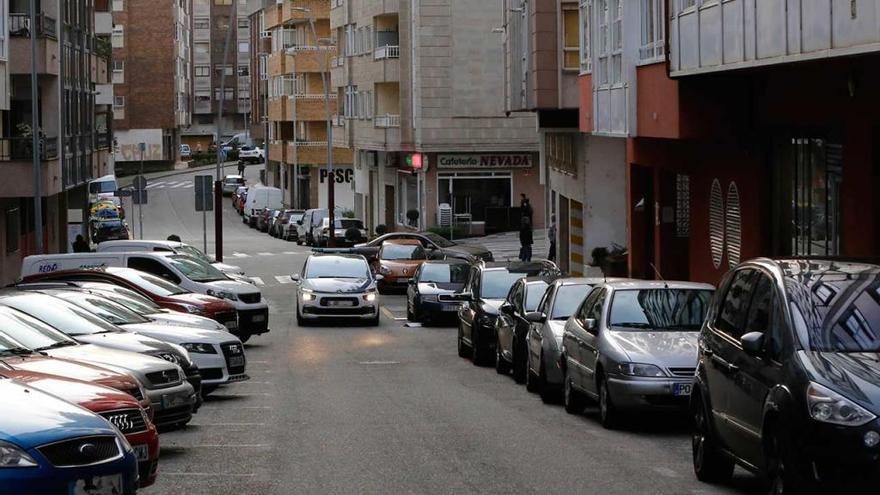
pixel 519 160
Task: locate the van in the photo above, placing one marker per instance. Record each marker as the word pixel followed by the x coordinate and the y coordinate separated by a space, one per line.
pixel 103 188
pixel 234 272
pixel 260 198
pixel 185 271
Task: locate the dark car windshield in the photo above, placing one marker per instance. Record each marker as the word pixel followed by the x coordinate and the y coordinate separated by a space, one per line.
pixel 30 332
pixel 837 312
pixel 151 283
pixel 495 284
pixel 348 223
pixel 402 252
pixel 337 267
pixel 102 187
pixel 66 317
pixel 659 309
pixel 568 298
pixel 438 240
pixel 443 273
pixel 534 293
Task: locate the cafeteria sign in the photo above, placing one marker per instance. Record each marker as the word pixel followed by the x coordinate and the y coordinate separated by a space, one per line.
pixel 519 160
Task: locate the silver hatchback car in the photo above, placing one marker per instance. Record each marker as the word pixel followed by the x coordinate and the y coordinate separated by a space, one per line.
pixel 633 346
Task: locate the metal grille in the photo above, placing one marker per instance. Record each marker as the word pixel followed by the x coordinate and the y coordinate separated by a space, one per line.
pixel 136 393
pixel 127 420
pixel 688 372
pixel 252 298
pixel 81 451
pixel 733 226
pixel 230 351
pixel 165 377
pixel 716 223
pixel 682 205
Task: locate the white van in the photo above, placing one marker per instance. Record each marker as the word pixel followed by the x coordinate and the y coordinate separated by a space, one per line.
pixel 103 188
pixel 126 246
pixel 185 271
pixel 260 198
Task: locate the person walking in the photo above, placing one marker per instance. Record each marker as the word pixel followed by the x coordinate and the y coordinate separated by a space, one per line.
pixel 525 207
pixel 80 245
pixel 525 239
pixel 241 168
pixel 551 235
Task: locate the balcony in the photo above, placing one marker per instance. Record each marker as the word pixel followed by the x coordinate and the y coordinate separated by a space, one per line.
pixel 19 25
pixel 311 107
pixel 386 121
pixel 278 151
pixel 317 9
pixel 13 149
pixel 279 109
pixel 278 64
pixel 313 59
pixel 387 51
pixel 315 153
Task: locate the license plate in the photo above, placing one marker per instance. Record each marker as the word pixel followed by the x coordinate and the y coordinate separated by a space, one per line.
pixel 236 361
pixel 142 452
pixel 450 307
pixel 97 485
pixel 339 303
pixel 174 400
pixel 681 389
pixel 257 318
pixel 232 325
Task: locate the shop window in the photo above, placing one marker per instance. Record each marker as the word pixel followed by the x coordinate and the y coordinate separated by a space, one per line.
pixel 560 152
pixel 13 229
pixel 570 37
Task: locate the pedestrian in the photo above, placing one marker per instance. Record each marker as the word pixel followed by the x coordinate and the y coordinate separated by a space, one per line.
pixel 241 168
pixel 551 235
pixel 525 207
pixel 174 238
pixel 199 148
pixel 525 239
pixel 80 245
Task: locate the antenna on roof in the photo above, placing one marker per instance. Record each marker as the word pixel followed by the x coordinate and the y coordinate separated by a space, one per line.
pixel 657 272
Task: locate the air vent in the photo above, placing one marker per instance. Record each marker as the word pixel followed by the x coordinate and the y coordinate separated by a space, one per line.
pixel 733 227
pixel 716 223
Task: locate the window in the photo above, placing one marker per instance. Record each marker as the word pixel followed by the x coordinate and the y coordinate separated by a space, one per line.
pixel 117 37
pixel 118 102
pixel 585 48
pixel 229 94
pixel 560 152
pixel 595 310
pixel 201 48
pixel 351 102
pixel 686 4
pixel 222 2
pixel 153 267
pixel 732 314
pixel 225 70
pixel 610 16
pixel 350 40
pixel 244 70
pixel 243 23
pixel 653 29
pixel 202 71
pixel 201 23
pixel 570 37
pixel 118 65
pixel 13 233
pixel 263 63
pixel 118 5
pixel 243 47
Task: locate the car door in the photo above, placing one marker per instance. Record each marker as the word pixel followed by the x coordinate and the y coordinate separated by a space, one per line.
pixel 466 313
pixel 589 350
pixel 721 348
pixel 507 318
pixel 535 336
pixel 755 375
pixel 573 338
pixel 154 267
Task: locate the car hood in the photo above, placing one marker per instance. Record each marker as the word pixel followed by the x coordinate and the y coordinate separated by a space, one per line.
pixel 74 368
pixel 32 418
pixel 228 269
pixel 851 374
pixel 180 335
pixel 113 359
pixel 439 288
pixel 407 267
pixel 665 349
pixel 185 320
pixel 337 285
pixel 234 286
pixel 126 341
pixel 491 306
pixel 95 398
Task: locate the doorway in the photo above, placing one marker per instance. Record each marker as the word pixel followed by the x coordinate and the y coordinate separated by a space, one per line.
pixel 564 237
pixel 641 207
pixel 389 208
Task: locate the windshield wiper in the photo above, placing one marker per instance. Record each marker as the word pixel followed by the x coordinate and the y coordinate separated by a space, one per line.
pixel 17 351
pixel 56 345
pixel 632 325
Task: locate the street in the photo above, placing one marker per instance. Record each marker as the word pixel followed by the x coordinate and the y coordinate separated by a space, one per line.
pixel 388 409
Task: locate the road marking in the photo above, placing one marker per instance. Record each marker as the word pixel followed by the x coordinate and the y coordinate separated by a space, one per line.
pixel 265 254
pixel 155 184
pixel 378 363
pixel 290 252
pixel 241 255
pixel 189 185
pixel 258 281
pixel 283 279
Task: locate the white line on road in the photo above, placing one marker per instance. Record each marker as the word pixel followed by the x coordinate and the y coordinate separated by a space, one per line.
pixel 378 363
pixel 265 254
pixel 258 281
pixel 189 185
pixel 226 424
pixel 155 184
pixel 283 279
pixel 241 255
pixel 290 252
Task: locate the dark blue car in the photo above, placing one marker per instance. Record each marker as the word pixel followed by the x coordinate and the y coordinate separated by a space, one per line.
pixel 51 446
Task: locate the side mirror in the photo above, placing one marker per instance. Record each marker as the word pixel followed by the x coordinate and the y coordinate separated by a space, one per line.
pixel 379 277
pixel 591 326
pixel 753 343
pixel 296 278
pixel 536 317
pixel 506 307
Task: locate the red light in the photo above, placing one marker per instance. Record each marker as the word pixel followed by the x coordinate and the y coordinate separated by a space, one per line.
pixel 416 161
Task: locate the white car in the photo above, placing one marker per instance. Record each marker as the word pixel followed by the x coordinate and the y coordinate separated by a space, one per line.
pixel 218 354
pixel 336 287
pixel 234 272
pixel 251 154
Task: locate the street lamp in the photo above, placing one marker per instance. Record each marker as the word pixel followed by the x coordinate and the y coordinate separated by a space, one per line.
pixel 331 241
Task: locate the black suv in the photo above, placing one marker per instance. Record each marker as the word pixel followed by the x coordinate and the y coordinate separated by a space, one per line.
pixel 788 378
pixel 487 286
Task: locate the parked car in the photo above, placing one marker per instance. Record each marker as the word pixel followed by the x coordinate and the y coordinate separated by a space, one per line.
pixel 119 409
pixel 632 346
pixel 346 231
pixel 512 326
pixel 336 287
pixel 428 296
pixel 49 445
pixel 234 272
pixel 397 262
pixel 185 152
pixel 287 225
pixel 436 245
pixel 787 379
pixel 264 220
pixel 102 188
pixel 312 222
pixel 258 199
pixel 487 286
pixel 238 197
pixel 251 154
pixel 544 339
pixel 231 183
pixel 182 270
pixel 160 291
pixel 108 230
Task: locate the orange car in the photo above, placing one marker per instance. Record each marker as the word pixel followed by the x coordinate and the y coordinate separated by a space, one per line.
pixel 397 261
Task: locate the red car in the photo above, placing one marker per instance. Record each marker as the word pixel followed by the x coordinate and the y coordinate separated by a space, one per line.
pixel 122 410
pixel 161 292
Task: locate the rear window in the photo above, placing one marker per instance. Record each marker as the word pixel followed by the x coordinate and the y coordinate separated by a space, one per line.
pixel 495 284
pixel 393 252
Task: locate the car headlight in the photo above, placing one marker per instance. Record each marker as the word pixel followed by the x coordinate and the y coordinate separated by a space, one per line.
pixel 183 354
pixel 371 296
pixel 13 456
pixel 223 294
pixel 830 407
pixel 638 369
pixel 200 348
pixel 193 310
pixel 308 295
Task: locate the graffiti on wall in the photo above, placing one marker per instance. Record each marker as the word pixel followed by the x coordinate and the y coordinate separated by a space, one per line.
pixel 130 152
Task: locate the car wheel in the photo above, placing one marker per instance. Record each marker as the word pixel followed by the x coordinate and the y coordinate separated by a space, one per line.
pixel 710 465
pixel 375 321
pixel 531 378
pixel 300 321
pixel 519 364
pixel 478 349
pixel 501 366
pixel 548 394
pixel 608 414
pixel 463 350
pixel 571 398
pixel 783 471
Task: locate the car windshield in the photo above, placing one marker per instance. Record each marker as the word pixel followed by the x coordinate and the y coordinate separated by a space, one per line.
pixel 102 187
pixel 443 273
pixel 836 311
pixel 495 284
pixel 402 252
pixel 196 270
pixel 233 181
pixel 66 317
pixel 30 332
pixel 194 253
pixel 139 305
pixel 568 298
pixel 103 307
pixel 337 267
pixel 9 347
pixel 296 217
pixel 659 309
pixel 439 240
pixel 534 293
pixel 151 283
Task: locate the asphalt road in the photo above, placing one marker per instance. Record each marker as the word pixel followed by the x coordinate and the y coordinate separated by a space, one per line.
pixel 389 409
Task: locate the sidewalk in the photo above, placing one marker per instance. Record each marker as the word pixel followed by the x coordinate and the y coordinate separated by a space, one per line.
pixel 505 246
pixel 126 181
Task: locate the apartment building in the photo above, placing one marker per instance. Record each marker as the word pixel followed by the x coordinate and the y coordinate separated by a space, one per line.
pixel 260 47
pixel 74 125
pixel 420 79
pixel 151 74
pixel 217 80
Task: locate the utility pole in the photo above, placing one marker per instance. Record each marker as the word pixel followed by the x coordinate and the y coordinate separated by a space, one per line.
pixel 143 147
pixel 218 182
pixel 35 133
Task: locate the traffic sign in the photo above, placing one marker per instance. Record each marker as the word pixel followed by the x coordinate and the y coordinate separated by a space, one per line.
pixel 139 183
pixel 139 196
pixel 204 192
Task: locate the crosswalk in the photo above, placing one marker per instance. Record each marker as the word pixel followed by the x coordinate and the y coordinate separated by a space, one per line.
pixel 171 184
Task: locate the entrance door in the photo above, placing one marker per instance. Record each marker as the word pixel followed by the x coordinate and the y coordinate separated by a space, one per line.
pixel 371 197
pixel 564 237
pixel 641 249
pixel 389 208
